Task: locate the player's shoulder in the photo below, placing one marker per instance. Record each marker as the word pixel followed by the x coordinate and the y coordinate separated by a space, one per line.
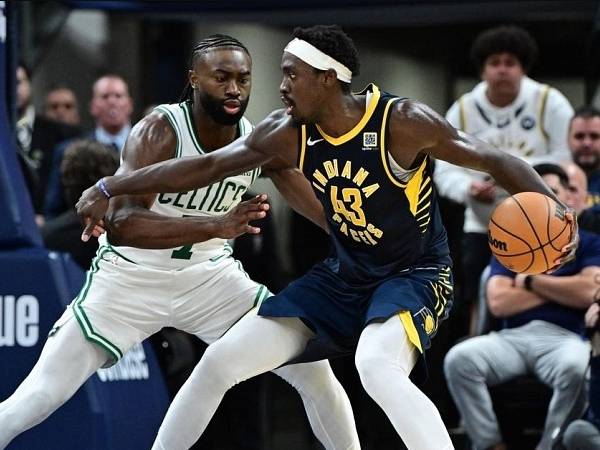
pixel 410 112
pixel 155 132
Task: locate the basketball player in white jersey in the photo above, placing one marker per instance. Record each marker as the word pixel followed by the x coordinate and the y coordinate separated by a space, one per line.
pixel 166 260
pixel 515 114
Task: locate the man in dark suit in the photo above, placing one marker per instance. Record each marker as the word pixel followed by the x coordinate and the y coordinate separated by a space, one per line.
pixel 36 138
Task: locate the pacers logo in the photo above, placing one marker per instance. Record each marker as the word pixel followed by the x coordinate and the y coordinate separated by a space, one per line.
pixel 427 320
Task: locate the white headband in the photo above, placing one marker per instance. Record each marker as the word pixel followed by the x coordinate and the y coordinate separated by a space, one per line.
pixel 311 55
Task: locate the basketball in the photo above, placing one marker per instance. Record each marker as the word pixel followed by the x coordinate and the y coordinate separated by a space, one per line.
pixel 527 232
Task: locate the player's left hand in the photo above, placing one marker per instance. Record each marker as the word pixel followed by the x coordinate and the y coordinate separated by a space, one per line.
pixel 91 207
pixel 568 251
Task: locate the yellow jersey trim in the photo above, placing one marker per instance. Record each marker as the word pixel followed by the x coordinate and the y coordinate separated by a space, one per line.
pixel 384 156
pixel 413 188
pixel 411 330
pixel 359 126
pixel 545 92
pixel 302 147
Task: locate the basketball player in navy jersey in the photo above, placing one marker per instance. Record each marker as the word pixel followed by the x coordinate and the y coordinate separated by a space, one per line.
pixel 389 285
pixel 152 270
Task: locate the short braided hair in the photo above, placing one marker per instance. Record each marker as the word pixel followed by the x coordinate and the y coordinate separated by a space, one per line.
pixel 210 43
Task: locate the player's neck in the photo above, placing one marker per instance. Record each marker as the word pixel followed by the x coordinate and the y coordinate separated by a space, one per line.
pixel 342 114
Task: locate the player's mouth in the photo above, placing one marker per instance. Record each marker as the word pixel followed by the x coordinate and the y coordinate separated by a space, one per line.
pixel 289 103
pixel 232 106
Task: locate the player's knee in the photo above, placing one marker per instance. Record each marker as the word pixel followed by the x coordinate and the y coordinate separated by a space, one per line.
pixel 372 369
pixel 45 402
pixel 314 379
pixel 217 365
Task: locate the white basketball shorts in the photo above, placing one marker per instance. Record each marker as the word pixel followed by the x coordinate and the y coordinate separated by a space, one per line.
pixel 122 303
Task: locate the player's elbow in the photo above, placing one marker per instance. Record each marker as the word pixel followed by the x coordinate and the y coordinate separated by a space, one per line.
pixel 118 224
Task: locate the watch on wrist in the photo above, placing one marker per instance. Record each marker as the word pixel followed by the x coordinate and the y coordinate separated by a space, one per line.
pixel 527 282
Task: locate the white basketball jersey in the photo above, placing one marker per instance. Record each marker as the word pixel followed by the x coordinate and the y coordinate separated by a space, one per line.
pixel 517 129
pixel 210 201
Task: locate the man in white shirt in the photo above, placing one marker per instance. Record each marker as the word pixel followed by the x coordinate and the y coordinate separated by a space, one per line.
pixel 514 113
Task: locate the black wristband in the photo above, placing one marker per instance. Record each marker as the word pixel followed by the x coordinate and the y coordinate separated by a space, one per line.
pixel 527 282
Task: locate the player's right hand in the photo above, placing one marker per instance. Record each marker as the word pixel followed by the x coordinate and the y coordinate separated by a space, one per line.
pixel 236 221
pixel 91 207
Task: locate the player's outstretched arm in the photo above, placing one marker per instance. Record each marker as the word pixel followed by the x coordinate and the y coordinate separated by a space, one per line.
pixel 177 175
pixel 416 129
pixel 129 220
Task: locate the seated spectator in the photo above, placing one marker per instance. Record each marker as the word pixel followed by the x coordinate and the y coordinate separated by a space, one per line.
pixel 584 143
pixel 61 106
pixel 542 319
pixel 111 107
pixel 585 434
pixel 588 217
pixel 84 163
pixel 517 115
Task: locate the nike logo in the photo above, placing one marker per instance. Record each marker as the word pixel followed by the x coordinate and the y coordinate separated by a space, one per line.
pixel 310 142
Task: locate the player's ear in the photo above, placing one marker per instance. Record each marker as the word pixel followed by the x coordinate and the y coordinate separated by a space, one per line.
pixel 330 77
pixel 192 78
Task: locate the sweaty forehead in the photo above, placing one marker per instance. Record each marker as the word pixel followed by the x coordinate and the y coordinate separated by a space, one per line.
pixel 221 58
pixel 289 61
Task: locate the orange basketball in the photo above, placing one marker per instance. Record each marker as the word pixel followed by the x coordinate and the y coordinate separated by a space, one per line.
pixel 527 232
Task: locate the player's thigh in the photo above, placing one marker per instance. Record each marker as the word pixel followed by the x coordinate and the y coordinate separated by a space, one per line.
pixel 213 296
pixel 122 303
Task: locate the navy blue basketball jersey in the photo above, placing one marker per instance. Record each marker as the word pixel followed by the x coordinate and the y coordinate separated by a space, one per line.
pixel 381 222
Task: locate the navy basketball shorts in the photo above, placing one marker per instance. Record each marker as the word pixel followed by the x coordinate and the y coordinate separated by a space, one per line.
pixel 337 311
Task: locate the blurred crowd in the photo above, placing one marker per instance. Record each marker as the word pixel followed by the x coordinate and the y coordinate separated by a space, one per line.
pixel 505 332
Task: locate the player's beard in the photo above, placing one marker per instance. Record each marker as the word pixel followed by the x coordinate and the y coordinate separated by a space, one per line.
pixel 214 108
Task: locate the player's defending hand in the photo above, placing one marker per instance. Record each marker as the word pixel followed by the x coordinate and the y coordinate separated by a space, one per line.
pixel 235 222
pixel 91 207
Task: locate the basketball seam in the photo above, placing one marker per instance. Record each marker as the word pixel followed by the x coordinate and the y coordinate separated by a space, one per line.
pixel 551 241
pixel 531 251
pixel 532 229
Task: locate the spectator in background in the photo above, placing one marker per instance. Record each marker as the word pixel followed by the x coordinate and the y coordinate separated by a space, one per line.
pixel 83 164
pixel 61 106
pixel 585 434
pixel 36 138
pixel 542 319
pixel 111 107
pixel 584 142
pixel 588 217
pixel 517 115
